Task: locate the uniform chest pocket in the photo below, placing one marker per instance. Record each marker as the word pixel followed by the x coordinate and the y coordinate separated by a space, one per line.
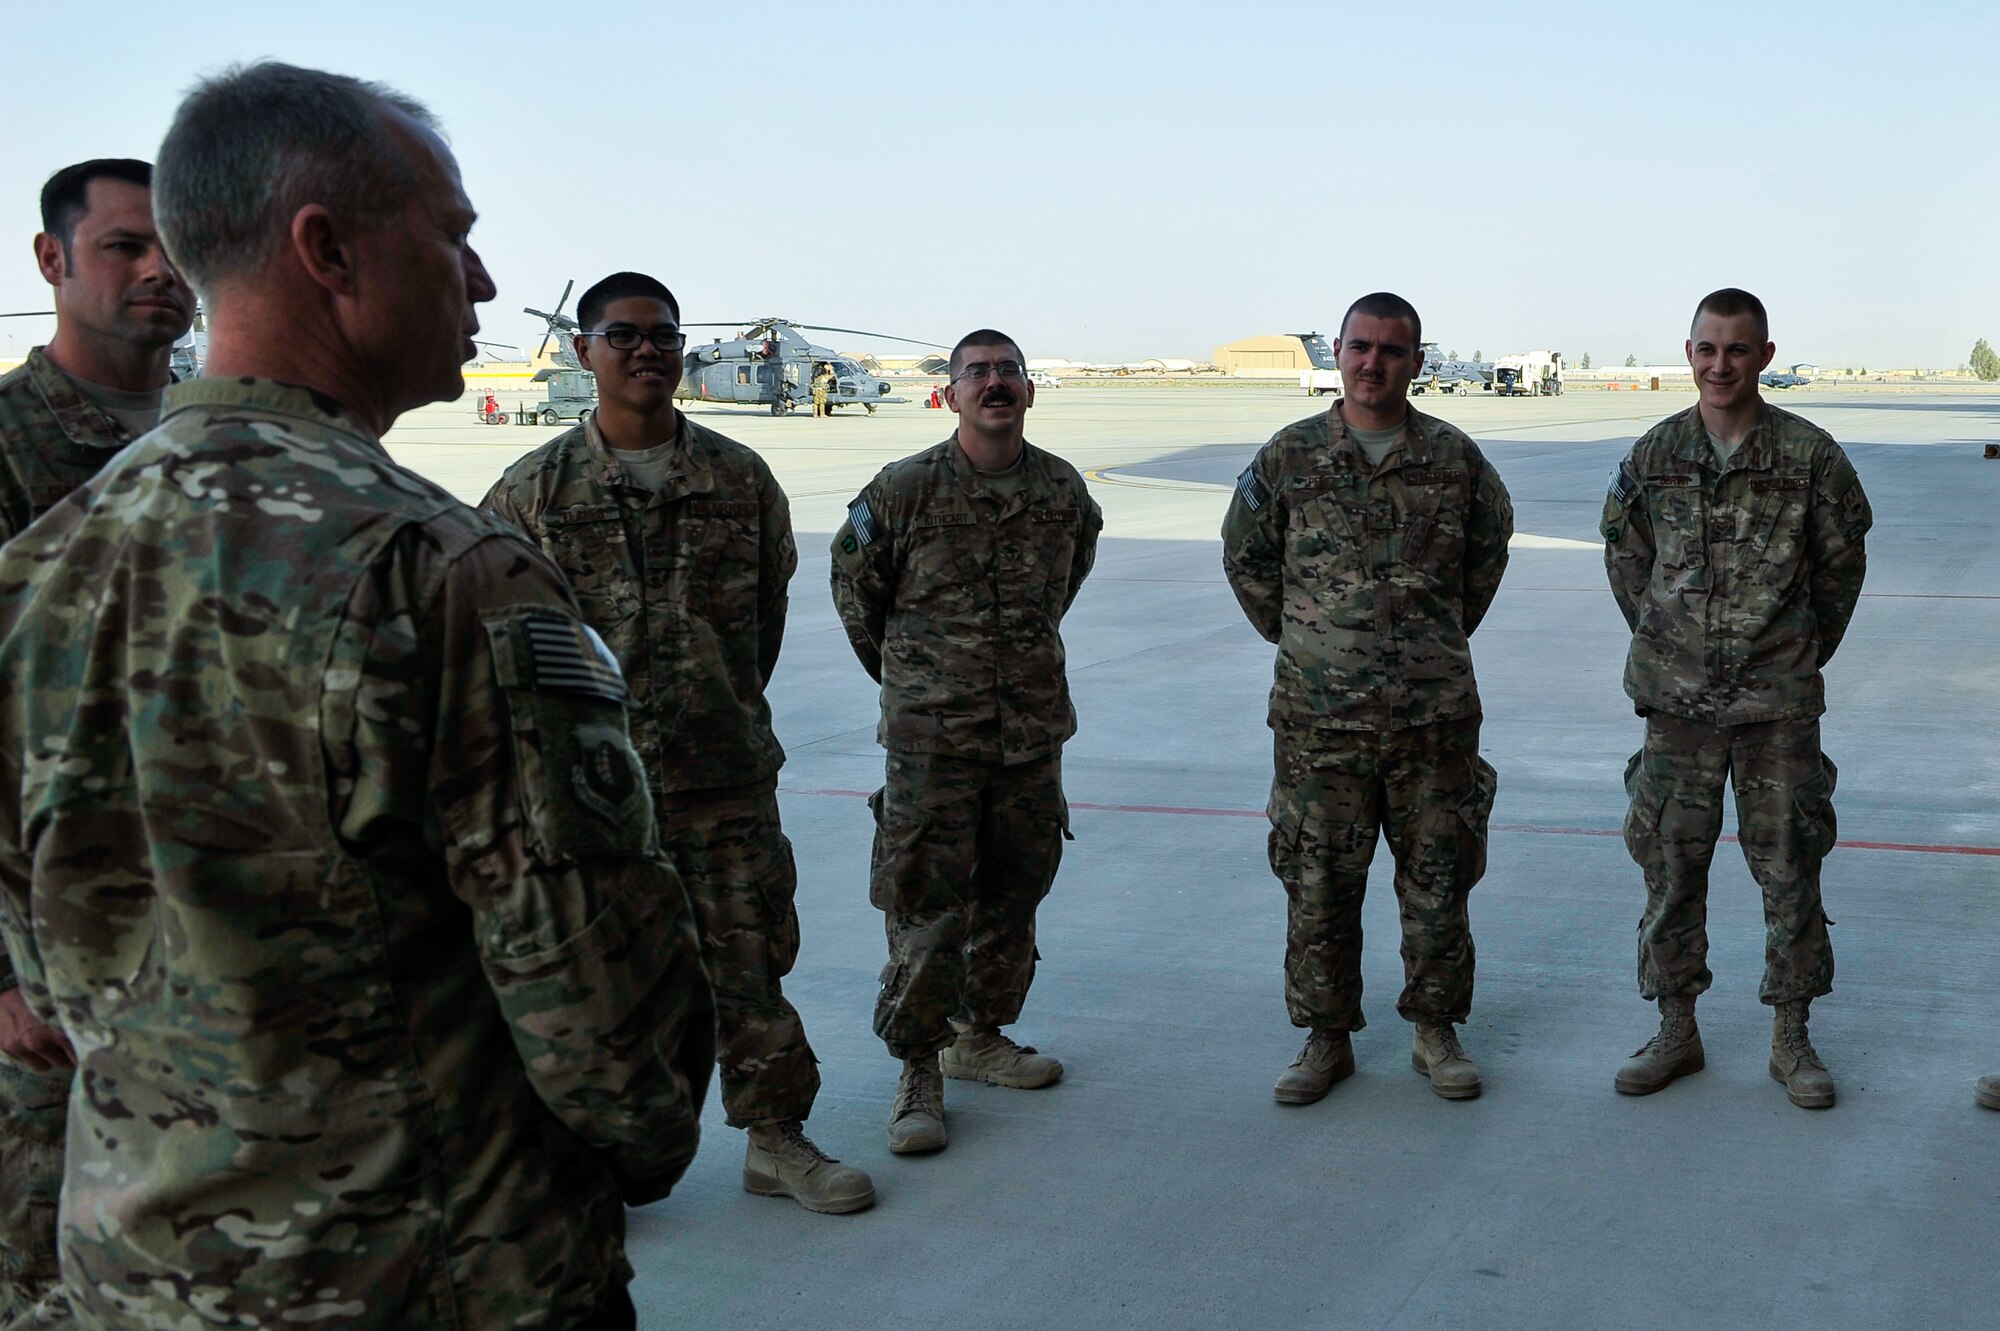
pixel 1680 524
pixel 1777 519
pixel 944 574
pixel 1316 541
pixel 589 546
pixel 1036 553
pixel 722 538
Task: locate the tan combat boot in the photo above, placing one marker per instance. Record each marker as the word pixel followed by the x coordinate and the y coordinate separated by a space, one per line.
pixel 1439 1056
pixel 1674 1052
pixel 982 1053
pixel 782 1161
pixel 1327 1058
pixel 1987 1090
pixel 916 1124
pixel 1794 1061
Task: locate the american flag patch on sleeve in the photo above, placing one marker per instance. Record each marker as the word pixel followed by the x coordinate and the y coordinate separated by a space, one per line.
pixel 1255 493
pixel 1623 485
pixel 863 520
pixel 569 657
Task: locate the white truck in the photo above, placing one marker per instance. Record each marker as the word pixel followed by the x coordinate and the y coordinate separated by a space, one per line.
pixel 1530 374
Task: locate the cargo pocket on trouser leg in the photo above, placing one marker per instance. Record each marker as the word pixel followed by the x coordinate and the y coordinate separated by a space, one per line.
pixel 1020 851
pixel 1644 801
pixel 1818 830
pixel 781 911
pixel 1475 814
pixel 33 1117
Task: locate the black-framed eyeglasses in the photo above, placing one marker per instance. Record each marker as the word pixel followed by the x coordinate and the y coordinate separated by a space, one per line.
pixel 627 339
pixel 979 372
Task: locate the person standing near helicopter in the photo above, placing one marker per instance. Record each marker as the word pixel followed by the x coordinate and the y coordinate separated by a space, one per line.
pixel 823 382
pixel 678 544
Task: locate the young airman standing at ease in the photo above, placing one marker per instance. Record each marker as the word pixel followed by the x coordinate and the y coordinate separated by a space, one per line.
pixel 1733 535
pixel 678 544
pixel 1367 542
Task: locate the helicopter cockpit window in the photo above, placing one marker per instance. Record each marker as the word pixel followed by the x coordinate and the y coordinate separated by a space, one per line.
pixel 846 367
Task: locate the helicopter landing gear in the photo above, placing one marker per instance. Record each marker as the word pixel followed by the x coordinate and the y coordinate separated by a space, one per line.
pixel 777 406
pixel 870 406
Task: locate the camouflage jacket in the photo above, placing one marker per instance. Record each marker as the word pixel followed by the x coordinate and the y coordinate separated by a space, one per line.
pixel 1369 580
pixel 1738 583
pixel 322 838
pixel 954 603
pixel 52 439
pixel 688 587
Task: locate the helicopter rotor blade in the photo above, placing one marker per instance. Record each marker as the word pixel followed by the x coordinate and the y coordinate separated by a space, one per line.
pixel 565 295
pixel 862 332
pixel 28 314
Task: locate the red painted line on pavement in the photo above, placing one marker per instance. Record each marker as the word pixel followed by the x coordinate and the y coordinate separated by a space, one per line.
pixel 1532 829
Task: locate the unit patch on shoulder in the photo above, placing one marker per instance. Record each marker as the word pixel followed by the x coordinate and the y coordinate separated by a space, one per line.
pixel 567 656
pixel 1254 492
pixel 863 520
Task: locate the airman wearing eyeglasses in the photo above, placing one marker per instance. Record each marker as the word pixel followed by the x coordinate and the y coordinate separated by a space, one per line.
pixel 678 544
pixel 952 573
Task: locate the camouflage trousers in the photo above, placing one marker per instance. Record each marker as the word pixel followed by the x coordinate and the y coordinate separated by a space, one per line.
pixel 34 1112
pixel 1335 794
pixel 1784 812
pixel 737 866
pixel 964 853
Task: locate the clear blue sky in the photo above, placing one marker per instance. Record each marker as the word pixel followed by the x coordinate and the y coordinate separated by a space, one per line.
pixel 1118 180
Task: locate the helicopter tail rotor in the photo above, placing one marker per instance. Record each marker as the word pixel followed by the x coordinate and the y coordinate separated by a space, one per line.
pixel 555 320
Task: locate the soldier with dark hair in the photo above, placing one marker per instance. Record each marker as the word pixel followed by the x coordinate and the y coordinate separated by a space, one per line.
pixel 1734 536
pixel 1367 542
pixel 322 837
pixel 952 574
pixel 678 544
pixel 92 390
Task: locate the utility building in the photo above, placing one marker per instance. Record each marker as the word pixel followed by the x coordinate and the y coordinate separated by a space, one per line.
pixel 1268 356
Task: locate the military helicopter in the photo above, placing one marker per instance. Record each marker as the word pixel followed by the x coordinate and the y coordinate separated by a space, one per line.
pixel 571 390
pixel 773 362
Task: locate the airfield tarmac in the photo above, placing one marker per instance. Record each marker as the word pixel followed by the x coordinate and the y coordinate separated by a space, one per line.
pixel 1159 1185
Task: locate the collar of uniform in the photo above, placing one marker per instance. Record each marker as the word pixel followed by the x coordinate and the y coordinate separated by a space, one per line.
pixel 265 395
pixel 695 477
pixel 1757 452
pixel 967 479
pixel 80 418
pixel 1412 450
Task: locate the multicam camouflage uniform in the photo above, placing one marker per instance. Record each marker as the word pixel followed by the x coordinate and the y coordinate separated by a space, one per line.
pixel 688 587
pixel 1738 582
pixel 322 837
pixel 1370 580
pixel 52 439
pixel 952 594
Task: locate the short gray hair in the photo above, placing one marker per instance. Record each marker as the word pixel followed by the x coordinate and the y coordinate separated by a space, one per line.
pixel 253 145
